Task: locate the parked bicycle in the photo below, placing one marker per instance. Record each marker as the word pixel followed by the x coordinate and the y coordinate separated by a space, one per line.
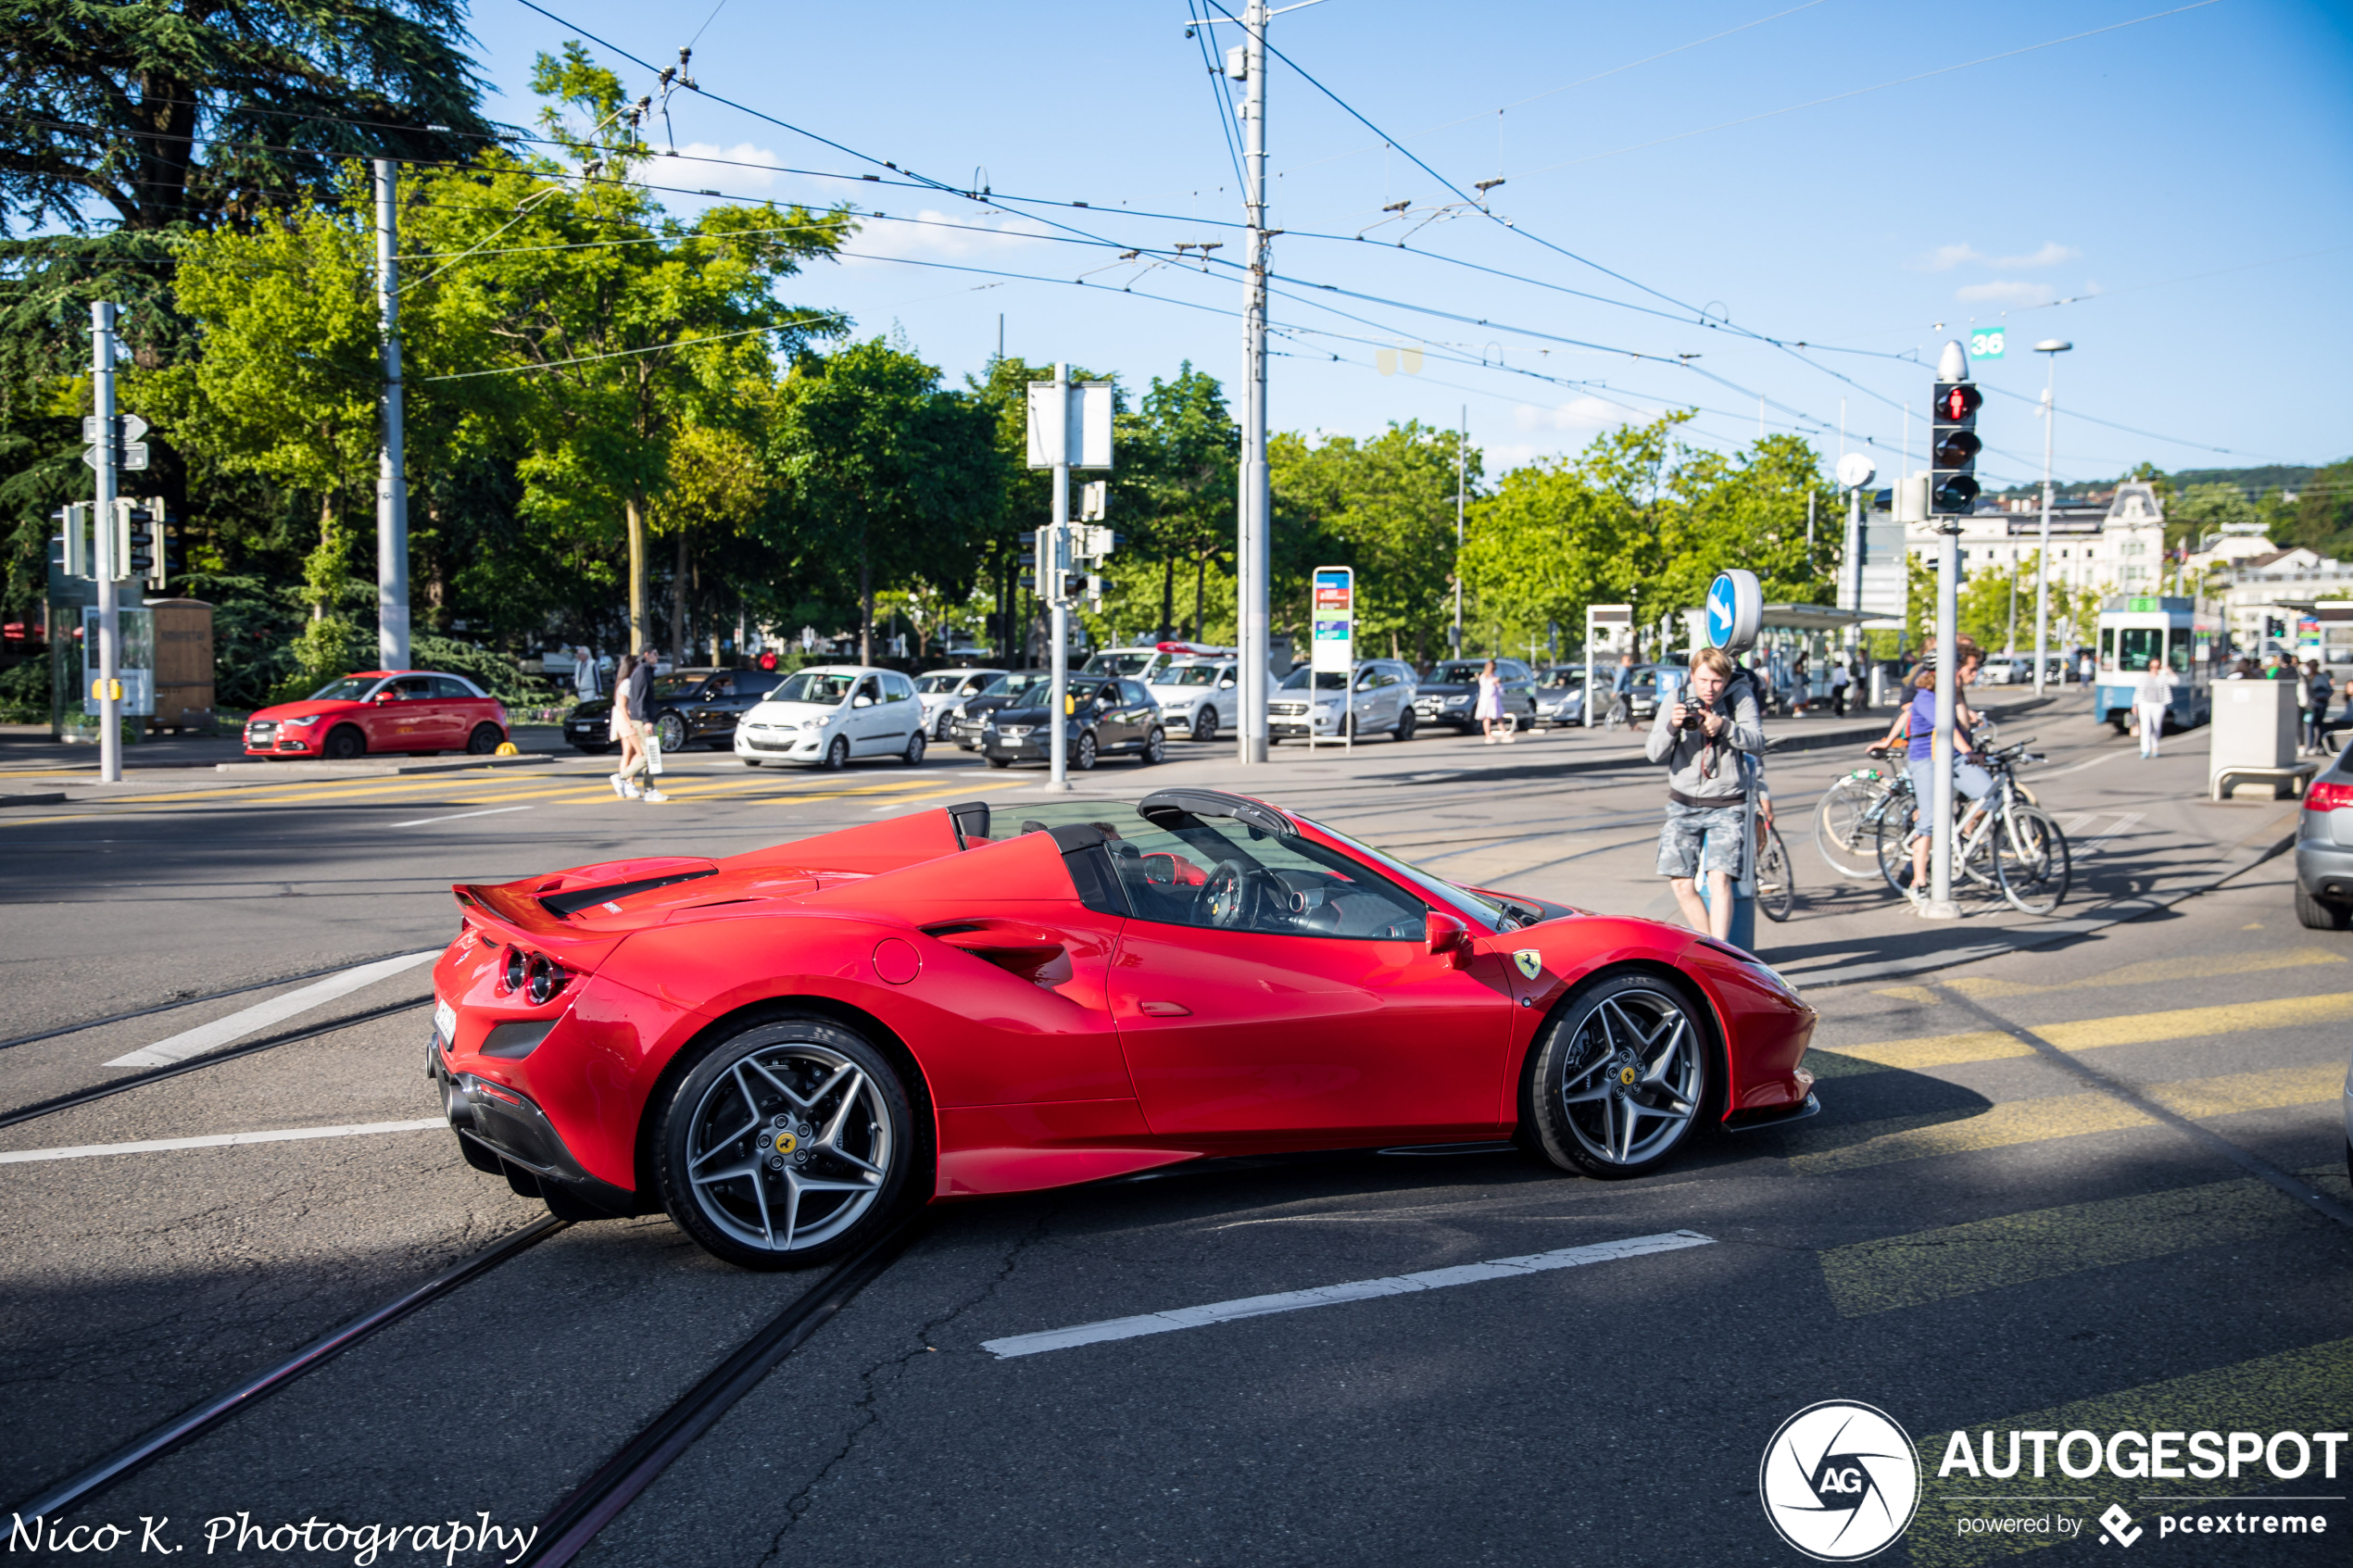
pixel 1847 820
pixel 2002 842
pixel 1776 886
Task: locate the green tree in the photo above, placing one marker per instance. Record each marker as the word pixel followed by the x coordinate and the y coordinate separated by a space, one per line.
pixel 1385 507
pixel 2204 510
pixel 2323 514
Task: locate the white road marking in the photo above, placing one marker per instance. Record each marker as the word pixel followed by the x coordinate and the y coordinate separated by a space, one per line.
pixel 222 1031
pixel 1333 1295
pixel 219 1141
pixel 2079 767
pixel 428 822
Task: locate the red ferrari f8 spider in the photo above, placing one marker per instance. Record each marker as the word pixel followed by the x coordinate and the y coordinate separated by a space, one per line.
pixel 789 1049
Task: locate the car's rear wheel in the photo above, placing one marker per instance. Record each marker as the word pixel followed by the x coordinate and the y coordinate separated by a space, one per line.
pixel 484 741
pixel 1082 756
pixel 1405 723
pixel 838 755
pixel 2322 914
pixel 1623 1073
pixel 344 743
pixel 1205 724
pixel 913 755
pixel 788 1144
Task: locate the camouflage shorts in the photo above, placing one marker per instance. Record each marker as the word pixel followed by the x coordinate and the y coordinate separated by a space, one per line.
pixel 1692 840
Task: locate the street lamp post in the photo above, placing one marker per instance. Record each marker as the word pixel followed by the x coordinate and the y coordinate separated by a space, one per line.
pixel 2054 347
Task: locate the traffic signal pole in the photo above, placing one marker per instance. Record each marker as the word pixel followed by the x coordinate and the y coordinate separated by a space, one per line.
pixel 1256 520
pixel 1953 446
pixel 109 680
pixel 1052 561
pixel 391 477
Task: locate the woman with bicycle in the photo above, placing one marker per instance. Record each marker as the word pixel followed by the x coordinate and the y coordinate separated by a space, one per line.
pixel 1920 758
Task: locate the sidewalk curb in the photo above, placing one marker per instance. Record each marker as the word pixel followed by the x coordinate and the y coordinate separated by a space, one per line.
pixel 363 770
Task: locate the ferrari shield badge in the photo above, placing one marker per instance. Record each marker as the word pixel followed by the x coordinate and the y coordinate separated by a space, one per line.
pixel 1530 962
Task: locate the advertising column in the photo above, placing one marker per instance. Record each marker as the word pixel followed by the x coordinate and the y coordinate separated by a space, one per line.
pixel 1334 646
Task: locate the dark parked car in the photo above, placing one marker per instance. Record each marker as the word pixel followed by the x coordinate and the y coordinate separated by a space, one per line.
pixel 968 716
pixel 691 707
pixel 1451 695
pixel 1108 719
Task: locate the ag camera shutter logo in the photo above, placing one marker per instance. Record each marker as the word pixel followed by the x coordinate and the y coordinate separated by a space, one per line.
pixel 1840 1481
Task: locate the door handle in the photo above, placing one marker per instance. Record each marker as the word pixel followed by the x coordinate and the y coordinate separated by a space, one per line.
pixel 1164 1009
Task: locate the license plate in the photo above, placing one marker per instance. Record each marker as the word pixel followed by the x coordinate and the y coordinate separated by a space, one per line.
pixel 444 1019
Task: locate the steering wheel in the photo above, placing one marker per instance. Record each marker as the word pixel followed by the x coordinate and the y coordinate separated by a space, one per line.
pixel 1224 900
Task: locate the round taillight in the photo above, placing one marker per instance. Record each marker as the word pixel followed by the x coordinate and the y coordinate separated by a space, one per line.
pixel 518 969
pixel 547 978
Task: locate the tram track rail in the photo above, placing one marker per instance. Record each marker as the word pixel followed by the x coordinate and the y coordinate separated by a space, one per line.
pixel 65 1029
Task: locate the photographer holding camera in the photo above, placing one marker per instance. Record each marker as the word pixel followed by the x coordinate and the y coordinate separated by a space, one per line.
pixel 1697 736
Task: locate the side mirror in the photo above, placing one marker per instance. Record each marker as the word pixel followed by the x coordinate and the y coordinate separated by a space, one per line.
pixel 1225 686
pixel 383 697
pixel 1447 935
pixel 861 702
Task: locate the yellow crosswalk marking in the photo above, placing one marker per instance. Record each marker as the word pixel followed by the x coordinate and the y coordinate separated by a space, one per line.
pixel 2061 1116
pixel 2303 1390
pixel 2091 1034
pixel 2155 971
pixel 1931 1265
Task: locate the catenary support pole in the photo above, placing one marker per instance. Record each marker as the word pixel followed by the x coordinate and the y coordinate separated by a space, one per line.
pixel 392 475
pixel 102 317
pixel 1052 557
pixel 1462 455
pixel 1256 520
pixel 2043 562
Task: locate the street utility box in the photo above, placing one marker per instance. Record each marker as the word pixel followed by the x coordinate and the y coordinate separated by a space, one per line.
pixel 184 664
pixel 2253 737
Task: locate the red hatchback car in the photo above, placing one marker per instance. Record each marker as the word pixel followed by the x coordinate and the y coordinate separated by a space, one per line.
pixel 786 1048
pixel 413 710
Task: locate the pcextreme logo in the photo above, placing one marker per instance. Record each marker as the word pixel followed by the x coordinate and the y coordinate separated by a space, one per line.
pixel 1839 1481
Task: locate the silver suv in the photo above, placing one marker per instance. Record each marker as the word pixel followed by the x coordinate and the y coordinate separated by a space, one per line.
pixel 1196 695
pixel 1380 696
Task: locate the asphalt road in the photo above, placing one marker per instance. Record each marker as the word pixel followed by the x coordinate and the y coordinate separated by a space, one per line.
pixel 2096 1183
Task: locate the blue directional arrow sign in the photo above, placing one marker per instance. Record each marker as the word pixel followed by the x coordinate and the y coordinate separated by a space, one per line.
pixel 1735 606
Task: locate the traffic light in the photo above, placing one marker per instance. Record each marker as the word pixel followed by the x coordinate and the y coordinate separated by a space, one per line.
pixel 74 518
pixel 163 518
pixel 135 549
pixel 1953 447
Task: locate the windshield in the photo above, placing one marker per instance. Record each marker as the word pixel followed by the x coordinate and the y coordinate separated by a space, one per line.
pixel 1326 681
pixel 945 682
pixel 2140 645
pixel 352 688
pixel 1019 684
pixel 1457 674
pixel 1118 664
pixel 1574 675
pixel 1460 897
pixel 825 689
pixel 1188 675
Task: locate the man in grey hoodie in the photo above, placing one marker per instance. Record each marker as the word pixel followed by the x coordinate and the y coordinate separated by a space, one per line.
pixel 1697 736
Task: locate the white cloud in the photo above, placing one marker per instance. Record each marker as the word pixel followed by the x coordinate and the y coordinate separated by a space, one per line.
pixel 931 235
pixel 1944 258
pixel 1576 414
pixel 2051 255
pixel 724 167
pixel 2005 293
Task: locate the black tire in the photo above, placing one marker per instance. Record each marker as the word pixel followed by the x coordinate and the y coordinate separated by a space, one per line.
pixel 947 720
pixel 1082 754
pixel 836 754
pixel 591 750
pixel 1000 762
pixel 1632 1045
pixel 2031 861
pixel 847 1121
pixel 1205 724
pixel 671 730
pixel 913 755
pixel 344 743
pixel 1776 885
pixel 2322 914
pixel 1894 850
pixel 1406 720
pixel 1155 747
pixel 748 761
pixel 484 740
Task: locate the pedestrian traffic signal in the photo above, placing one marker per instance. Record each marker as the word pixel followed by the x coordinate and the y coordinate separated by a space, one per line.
pixel 1953 447
pixel 134 550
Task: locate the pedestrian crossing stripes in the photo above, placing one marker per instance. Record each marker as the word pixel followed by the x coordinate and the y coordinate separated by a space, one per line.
pixel 2083 1035
pixel 2012 1122
pixel 2154 972
pixel 1934 1265
pixel 2308 1389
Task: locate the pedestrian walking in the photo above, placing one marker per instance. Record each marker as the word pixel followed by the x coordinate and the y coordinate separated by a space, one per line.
pixel 2318 688
pixel 636 693
pixel 1840 682
pixel 1801 679
pixel 1697 736
pixel 583 674
pixel 623 733
pixel 1621 686
pixel 1489 711
pixel 2152 700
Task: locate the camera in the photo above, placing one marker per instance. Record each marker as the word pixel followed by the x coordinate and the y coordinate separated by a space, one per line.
pixel 1695 717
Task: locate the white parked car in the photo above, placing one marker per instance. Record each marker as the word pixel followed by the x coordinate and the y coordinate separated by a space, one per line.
pixel 1381 698
pixel 830 715
pixel 1196 695
pixel 940 690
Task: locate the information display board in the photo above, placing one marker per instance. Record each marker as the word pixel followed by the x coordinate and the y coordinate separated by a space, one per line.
pixel 1335 619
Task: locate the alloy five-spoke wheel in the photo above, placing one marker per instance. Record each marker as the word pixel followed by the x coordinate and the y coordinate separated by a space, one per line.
pixel 1625 1072
pixel 788 1144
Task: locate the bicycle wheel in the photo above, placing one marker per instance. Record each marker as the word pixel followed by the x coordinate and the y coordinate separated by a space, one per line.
pixel 1894 851
pixel 1845 834
pixel 2031 860
pixel 1973 855
pixel 1776 888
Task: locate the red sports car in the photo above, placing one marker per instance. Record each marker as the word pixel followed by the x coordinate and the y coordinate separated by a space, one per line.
pixel 381 710
pixel 786 1049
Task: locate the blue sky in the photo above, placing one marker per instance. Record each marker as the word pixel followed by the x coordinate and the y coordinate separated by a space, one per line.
pixel 2186 178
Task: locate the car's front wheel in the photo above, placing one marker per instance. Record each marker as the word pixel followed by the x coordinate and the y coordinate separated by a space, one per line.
pixel 344 743
pixel 1405 723
pixel 1155 744
pixel 838 754
pixel 940 731
pixel 672 730
pixel 789 1143
pixel 1205 724
pixel 1624 1071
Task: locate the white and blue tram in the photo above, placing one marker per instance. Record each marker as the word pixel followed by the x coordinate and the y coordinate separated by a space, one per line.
pixel 2139 630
